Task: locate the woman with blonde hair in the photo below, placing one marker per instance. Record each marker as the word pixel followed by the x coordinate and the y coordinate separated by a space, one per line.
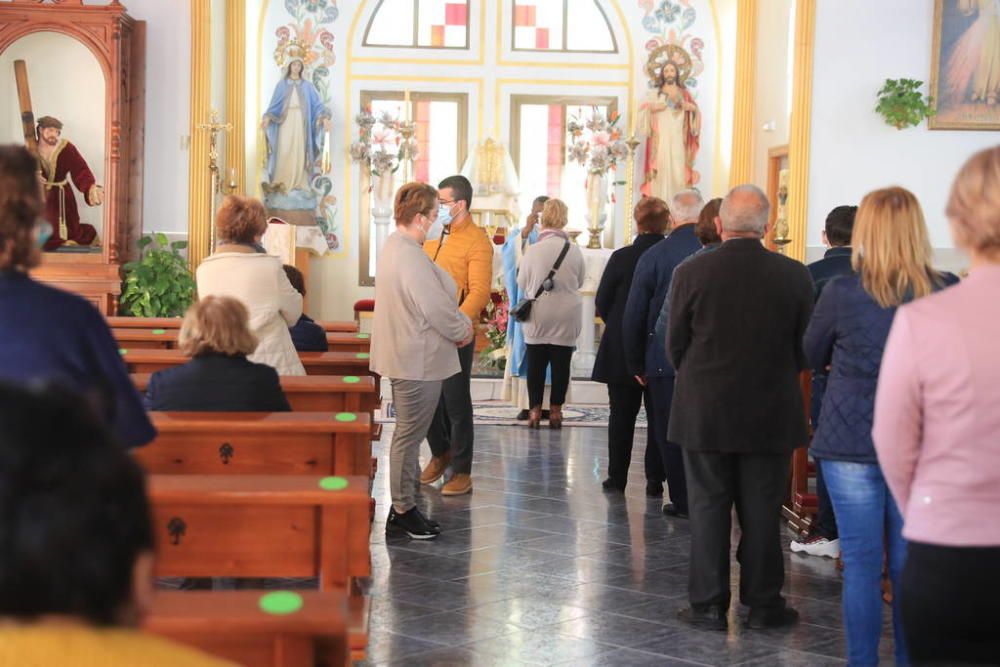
pixel 892 265
pixel 935 432
pixel 551 273
pixel 240 268
pixel 417 332
pixel 216 335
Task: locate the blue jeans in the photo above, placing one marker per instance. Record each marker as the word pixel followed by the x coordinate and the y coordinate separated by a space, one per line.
pixel 870 528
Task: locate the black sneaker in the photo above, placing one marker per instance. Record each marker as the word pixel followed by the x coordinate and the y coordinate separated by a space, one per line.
pixel 710 618
pixel 760 618
pixel 430 522
pixel 410 523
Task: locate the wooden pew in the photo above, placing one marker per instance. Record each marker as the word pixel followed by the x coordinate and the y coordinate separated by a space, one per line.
pixel 267 526
pixel 316 363
pixel 166 339
pixel 261 526
pixel 231 625
pixel 274 443
pixel 316 393
pixel 801 505
pixel 120 322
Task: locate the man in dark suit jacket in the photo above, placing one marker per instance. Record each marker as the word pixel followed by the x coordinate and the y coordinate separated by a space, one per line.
pixel 644 354
pixel 737 318
pixel 625 394
pixel 823 538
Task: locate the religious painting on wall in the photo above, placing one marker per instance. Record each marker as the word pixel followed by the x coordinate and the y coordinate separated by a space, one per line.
pixel 965 70
pixel 297 121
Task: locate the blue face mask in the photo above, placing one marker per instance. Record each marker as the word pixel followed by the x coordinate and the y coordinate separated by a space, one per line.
pixel 435 230
pixel 444 215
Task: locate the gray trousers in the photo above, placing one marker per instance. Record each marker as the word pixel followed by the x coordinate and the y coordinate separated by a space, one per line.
pixel 415 402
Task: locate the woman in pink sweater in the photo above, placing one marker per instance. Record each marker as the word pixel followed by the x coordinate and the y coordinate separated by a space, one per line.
pixel 937 435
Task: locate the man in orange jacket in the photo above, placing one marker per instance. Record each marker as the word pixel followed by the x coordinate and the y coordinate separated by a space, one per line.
pixel 460 247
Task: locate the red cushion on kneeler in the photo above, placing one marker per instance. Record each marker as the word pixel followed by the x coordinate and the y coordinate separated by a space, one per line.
pixel 364 306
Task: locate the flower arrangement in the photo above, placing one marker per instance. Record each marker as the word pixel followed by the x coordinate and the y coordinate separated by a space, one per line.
pixel 385 141
pixel 597 142
pixel 497 315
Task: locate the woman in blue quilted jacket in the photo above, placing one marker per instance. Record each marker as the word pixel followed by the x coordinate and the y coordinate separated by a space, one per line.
pixel 892 265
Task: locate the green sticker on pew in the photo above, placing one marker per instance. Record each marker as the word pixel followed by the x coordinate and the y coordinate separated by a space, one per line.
pixel 364 336
pixel 362 355
pixel 351 379
pixel 159 332
pixel 333 483
pixel 280 603
pixel 122 351
pixel 346 417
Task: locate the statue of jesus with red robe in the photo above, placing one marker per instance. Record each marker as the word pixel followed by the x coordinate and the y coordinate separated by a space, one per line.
pixel 61 162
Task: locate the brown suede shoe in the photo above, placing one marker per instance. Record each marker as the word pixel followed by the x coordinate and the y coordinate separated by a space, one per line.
pixel 458 485
pixel 434 469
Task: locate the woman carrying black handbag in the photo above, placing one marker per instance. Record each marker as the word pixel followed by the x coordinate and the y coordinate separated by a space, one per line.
pixel 553 271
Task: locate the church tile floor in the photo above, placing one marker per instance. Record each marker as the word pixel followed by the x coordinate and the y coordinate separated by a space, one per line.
pixel 539 567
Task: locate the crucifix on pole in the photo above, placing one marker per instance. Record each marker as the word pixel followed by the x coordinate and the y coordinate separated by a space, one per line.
pixel 215 127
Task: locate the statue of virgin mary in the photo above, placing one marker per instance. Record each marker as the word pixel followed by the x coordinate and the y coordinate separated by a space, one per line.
pixel 295 124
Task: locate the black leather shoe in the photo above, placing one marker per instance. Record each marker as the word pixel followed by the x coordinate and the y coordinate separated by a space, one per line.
pixel 759 618
pixel 671 510
pixel 711 618
pixel 609 485
pixel 654 489
pixel 522 416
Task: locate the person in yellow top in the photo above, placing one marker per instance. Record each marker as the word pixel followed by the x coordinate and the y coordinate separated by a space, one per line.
pixel 76 541
pixel 461 247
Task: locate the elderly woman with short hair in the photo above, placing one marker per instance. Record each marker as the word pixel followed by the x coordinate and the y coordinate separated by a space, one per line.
pixel 417 328
pixel 219 378
pixel 240 268
pixel 554 324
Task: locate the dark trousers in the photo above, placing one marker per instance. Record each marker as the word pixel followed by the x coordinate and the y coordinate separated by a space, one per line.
pixel 624 399
pixel 948 597
pixel 826 522
pixel 451 430
pixel 661 391
pixel 756 484
pixel 539 358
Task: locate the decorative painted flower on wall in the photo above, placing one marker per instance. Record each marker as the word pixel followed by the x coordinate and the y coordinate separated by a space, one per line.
pixel 670 21
pixel 324 11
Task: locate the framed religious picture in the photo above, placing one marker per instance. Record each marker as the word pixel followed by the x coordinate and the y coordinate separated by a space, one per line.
pixel 965 65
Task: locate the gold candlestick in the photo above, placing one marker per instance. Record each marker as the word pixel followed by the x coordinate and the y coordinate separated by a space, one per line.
pixel 632 144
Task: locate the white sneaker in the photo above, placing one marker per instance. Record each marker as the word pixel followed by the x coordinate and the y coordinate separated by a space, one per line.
pixel 817 546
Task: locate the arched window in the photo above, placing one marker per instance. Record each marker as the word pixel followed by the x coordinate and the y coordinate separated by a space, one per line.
pixel 426 24
pixel 562 25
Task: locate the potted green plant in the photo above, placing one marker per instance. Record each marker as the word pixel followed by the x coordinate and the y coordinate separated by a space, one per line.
pixel 159 283
pixel 901 103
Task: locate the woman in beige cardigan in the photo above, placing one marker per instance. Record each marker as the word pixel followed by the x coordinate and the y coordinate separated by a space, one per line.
pixel 417 332
pixel 240 268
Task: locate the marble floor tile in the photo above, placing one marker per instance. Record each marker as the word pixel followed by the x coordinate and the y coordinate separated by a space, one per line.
pixel 539 566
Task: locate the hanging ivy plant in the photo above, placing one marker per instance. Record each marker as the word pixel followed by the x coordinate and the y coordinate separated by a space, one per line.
pixel 901 103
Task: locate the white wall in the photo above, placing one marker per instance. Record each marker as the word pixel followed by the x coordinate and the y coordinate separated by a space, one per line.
pixel 859 44
pixel 65 81
pixel 168 103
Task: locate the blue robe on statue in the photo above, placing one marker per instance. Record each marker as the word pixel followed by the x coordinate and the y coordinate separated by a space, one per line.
pixel 313 111
pixel 517 356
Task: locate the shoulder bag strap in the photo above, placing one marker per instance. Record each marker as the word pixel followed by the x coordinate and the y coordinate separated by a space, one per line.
pixel 555 267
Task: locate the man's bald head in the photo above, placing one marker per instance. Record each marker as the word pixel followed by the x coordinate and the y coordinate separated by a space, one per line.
pixel 744 211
